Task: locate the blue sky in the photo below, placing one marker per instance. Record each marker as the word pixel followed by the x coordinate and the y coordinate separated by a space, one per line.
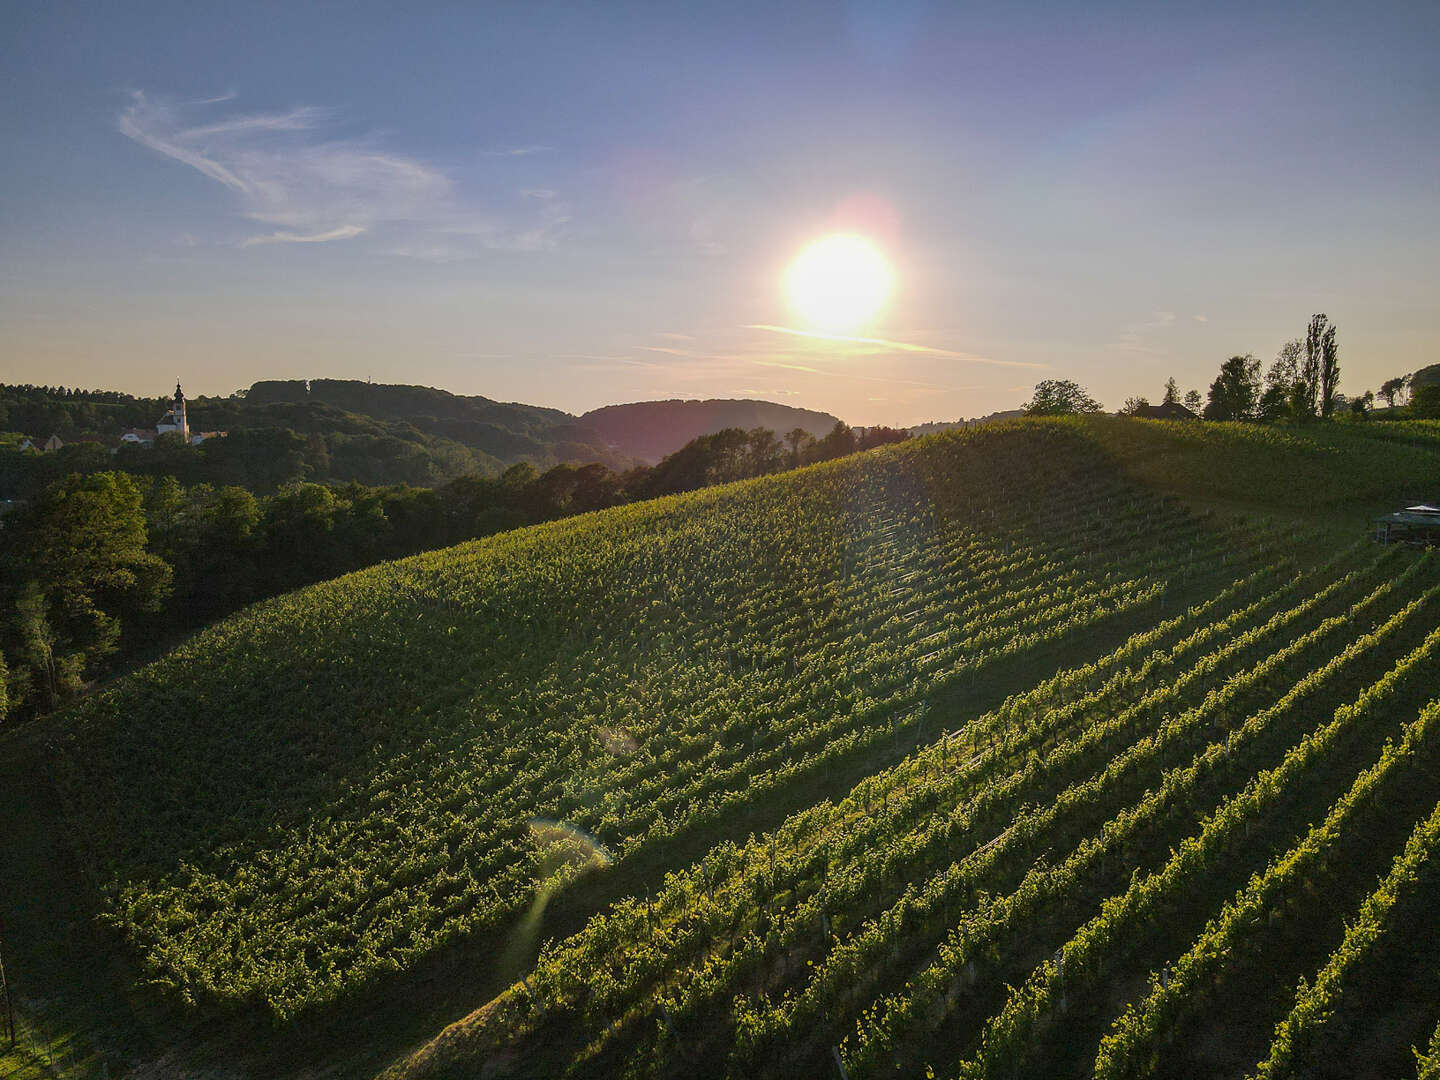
pixel 574 206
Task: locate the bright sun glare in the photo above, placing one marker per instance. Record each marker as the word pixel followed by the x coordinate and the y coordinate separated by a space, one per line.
pixel 838 284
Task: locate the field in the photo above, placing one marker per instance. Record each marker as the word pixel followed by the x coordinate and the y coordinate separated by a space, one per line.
pixel 1049 748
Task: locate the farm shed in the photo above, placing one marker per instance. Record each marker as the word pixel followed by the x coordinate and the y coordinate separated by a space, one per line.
pixel 1413 525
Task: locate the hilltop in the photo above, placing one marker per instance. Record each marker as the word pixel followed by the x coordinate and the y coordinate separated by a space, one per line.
pixel 509 431
pixel 651 429
pixel 837 761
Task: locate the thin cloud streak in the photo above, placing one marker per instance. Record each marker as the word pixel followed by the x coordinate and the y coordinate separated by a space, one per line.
pixel 344 232
pixel 898 346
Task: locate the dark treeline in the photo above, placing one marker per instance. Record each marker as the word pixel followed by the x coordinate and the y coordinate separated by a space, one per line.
pixel 98 567
pixel 267 446
pixel 1302 384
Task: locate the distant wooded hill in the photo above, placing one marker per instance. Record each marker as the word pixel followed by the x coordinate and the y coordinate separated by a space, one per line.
pixel 510 431
pixel 652 429
pixel 346 430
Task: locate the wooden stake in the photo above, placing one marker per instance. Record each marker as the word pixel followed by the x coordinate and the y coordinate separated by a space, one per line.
pixel 5 989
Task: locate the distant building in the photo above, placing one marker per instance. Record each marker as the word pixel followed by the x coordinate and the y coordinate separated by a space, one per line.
pixel 1413 525
pixel 1171 410
pixel 28 443
pixel 52 443
pixel 138 436
pixel 174 420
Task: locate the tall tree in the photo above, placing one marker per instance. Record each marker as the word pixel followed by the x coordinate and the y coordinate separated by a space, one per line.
pixel 1308 383
pixel 1235 393
pixel 1193 401
pixel 1172 392
pixel 1329 369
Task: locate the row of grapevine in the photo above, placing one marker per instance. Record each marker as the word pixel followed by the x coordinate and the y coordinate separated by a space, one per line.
pixel 635 674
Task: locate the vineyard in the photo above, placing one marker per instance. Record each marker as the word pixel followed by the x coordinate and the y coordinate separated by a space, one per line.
pixel 976 756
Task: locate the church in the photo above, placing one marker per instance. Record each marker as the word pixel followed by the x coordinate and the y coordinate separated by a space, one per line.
pixel 174 421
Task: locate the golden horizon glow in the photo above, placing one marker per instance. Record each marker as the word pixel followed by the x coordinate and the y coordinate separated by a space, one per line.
pixel 839 284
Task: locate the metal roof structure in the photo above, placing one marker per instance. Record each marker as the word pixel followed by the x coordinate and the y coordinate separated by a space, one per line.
pixel 1414 524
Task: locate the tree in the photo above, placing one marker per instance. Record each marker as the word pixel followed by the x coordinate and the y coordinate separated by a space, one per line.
pixel 879 435
pixel 1394 389
pixel 799 440
pixel 1329 368
pixel 1192 400
pixel 1235 393
pixel 1133 405
pixel 4 689
pixel 1425 402
pixel 82 566
pixel 1362 405
pixel 1320 369
pixel 763 452
pixel 1284 393
pixel 1060 397
pixel 1172 392
pixel 839 442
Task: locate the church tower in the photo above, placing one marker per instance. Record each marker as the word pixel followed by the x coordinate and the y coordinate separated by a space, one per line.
pixel 181 424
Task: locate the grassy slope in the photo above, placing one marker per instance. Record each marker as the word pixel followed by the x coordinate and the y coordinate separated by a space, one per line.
pixel 378 654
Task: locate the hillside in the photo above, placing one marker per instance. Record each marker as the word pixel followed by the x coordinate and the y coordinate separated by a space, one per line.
pixel 510 432
pixel 651 429
pixel 974 752
pixel 505 431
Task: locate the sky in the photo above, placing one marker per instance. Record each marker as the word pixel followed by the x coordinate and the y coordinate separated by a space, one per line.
pixel 577 205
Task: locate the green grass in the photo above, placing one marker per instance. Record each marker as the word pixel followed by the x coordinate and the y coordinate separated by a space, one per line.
pixel 308 834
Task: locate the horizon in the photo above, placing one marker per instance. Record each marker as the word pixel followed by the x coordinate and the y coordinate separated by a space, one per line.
pixel 577 209
pixel 191 397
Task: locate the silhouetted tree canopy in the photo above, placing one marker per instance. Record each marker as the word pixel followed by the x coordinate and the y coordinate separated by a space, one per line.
pixel 1235 393
pixel 1060 397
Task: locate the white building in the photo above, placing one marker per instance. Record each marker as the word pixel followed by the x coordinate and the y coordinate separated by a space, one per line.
pixel 174 420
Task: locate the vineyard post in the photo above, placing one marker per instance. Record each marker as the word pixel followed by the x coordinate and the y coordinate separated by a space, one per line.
pixel 5 989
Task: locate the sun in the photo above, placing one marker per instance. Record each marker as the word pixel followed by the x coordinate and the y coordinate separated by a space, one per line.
pixel 838 284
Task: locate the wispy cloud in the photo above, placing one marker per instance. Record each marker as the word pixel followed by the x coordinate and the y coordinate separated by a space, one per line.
pixel 1199 318
pixel 789 366
pixel 289 170
pixel 1133 337
pixel 344 232
pixel 516 151
pixel 887 345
